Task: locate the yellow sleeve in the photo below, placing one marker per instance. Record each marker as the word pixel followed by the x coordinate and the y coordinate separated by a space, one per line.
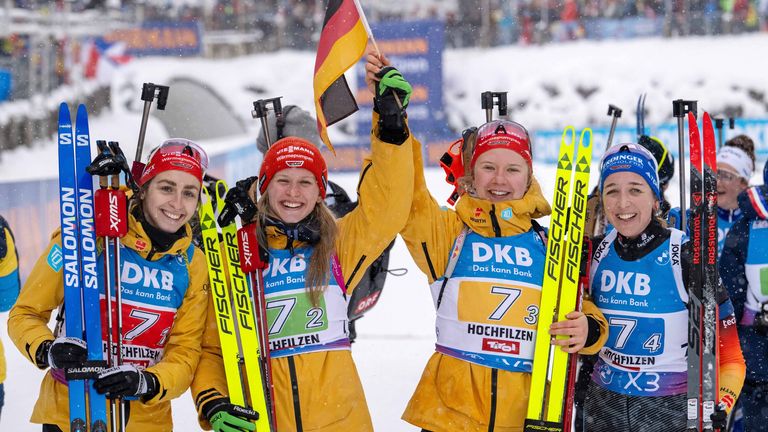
pixel 385 189
pixel 41 294
pixel 9 274
pixel 182 352
pixel 592 311
pixel 210 375
pixel 430 230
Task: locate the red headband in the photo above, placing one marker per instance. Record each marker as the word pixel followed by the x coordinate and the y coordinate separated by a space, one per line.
pixel 502 134
pixel 293 152
pixel 177 154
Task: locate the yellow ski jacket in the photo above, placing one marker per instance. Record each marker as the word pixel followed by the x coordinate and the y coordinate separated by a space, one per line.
pixel 454 394
pixel 180 350
pixel 330 394
pixel 9 284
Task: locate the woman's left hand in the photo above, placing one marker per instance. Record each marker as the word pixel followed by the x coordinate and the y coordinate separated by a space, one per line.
pixel 576 327
pixel 374 62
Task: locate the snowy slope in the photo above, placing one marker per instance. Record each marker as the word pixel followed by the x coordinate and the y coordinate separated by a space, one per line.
pixel 397 337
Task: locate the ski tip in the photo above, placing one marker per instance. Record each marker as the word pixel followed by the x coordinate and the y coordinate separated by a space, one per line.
pixel 586 133
pixel 63 111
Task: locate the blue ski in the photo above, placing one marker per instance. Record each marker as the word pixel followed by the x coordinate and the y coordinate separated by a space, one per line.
pixel 70 245
pixel 90 287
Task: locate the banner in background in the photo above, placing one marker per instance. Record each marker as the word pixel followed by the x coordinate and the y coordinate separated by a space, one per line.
pixel 160 38
pixel 626 28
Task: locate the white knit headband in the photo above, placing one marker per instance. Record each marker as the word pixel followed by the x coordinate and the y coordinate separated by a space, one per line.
pixel 738 159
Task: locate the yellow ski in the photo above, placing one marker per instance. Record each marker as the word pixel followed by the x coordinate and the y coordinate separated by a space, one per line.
pixel 561 278
pixel 222 302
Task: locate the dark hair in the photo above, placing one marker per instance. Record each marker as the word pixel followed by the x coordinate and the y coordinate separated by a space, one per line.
pixel 745 143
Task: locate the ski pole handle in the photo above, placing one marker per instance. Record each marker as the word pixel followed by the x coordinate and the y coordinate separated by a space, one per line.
pixel 488 99
pixel 260 110
pixel 251 260
pixel 680 108
pixel 614 112
pixel 149 92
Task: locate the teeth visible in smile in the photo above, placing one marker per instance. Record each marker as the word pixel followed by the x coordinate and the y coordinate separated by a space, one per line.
pixel 174 216
pixel 291 204
pixel 626 216
pixel 499 193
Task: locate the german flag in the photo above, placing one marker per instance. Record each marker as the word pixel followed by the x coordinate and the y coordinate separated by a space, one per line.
pixel 342 44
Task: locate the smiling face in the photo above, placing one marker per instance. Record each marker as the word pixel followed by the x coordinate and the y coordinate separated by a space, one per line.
pixel 170 200
pixel 729 186
pixel 500 175
pixel 628 203
pixel 293 194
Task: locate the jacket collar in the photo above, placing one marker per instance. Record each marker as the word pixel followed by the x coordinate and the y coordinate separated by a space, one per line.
pixel 505 218
pixel 138 240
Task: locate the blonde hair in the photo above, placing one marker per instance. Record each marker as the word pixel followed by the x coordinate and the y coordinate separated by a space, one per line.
pixel 319 266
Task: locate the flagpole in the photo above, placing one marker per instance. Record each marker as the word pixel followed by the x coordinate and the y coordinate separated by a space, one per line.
pixel 367 27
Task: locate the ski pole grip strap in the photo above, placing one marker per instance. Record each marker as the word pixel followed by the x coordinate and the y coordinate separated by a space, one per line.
pixel 111 207
pixel 248 242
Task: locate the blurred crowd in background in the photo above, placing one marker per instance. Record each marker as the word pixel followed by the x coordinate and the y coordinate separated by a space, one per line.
pixel 44 44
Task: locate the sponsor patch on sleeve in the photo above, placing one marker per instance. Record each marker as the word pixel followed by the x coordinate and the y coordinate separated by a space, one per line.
pixel 55 258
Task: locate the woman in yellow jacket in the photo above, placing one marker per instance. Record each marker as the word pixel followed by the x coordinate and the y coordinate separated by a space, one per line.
pixel 315 262
pixel 165 298
pixel 485 263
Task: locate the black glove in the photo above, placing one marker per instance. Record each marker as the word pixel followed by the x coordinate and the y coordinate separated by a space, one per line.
pixel 226 417
pixel 391 114
pixel 719 417
pixel 62 353
pixel 126 381
pixel 111 161
pixel 238 203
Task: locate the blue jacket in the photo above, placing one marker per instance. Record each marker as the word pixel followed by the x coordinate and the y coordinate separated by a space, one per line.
pixel 733 259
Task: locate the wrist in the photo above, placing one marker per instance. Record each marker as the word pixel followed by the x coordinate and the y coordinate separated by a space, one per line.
pixel 212 406
pixel 593 331
pixel 41 355
pixel 153 386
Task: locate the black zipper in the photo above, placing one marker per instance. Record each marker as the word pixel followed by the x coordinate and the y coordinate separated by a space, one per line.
pixel 429 260
pixel 495 221
pixel 354 272
pixel 295 391
pixel 494 383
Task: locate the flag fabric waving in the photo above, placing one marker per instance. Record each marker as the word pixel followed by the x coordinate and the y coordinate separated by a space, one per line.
pixel 342 44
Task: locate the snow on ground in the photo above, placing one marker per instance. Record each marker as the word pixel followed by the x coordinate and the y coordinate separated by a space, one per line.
pixel 397 337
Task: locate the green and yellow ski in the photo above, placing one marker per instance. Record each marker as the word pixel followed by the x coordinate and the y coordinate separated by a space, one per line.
pixel 234 312
pixel 560 288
